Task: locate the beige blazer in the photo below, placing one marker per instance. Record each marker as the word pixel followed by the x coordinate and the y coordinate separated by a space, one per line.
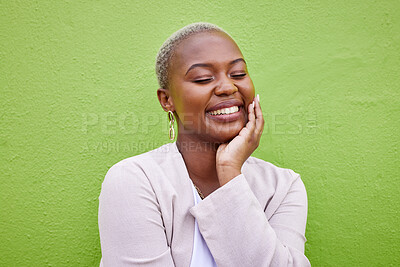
pixel 147 213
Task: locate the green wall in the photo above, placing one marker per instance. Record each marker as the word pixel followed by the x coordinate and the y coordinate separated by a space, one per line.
pixel 78 94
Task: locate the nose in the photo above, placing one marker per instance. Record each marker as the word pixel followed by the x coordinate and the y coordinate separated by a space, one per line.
pixel 226 86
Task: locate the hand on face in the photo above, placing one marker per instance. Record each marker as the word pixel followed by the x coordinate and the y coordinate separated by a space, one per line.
pixel 232 155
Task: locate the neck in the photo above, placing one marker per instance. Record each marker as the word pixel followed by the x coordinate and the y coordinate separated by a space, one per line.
pixel 200 159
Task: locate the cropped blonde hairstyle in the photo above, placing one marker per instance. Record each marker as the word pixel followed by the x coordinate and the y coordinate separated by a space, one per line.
pixel 166 51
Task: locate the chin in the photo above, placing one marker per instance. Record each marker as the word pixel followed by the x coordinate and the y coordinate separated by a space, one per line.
pixel 226 136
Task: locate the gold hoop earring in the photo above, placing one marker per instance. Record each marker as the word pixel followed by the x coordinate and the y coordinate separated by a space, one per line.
pixel 171 120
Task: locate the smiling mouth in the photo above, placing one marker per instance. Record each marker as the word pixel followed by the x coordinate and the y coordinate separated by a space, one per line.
pixel 224 111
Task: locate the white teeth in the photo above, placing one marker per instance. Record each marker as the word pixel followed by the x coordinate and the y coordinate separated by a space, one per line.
pixel 225 111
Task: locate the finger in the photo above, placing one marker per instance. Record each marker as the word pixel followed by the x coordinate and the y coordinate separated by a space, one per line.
pixel 259 116
pixel 251 124
pixel 248 130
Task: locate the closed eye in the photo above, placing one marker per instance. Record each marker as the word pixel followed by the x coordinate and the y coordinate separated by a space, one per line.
pixel 238 75
pixel 203 80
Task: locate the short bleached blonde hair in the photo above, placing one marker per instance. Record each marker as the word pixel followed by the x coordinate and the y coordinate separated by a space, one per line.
pixel 166 51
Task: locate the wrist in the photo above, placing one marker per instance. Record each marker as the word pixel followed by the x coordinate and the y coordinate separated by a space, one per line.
pixel 225 174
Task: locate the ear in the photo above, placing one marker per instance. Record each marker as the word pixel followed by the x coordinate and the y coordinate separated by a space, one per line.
pixel 165 99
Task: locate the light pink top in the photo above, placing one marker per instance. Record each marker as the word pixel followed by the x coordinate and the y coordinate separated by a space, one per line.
pixel 147 214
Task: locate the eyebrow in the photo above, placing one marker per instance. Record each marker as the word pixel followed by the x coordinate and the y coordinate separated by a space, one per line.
pixel 209 65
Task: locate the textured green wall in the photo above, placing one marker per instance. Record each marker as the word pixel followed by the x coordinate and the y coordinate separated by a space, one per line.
pixel 78 94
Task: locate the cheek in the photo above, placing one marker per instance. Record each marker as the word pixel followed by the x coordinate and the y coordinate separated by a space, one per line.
pixel 195 99
pixel 247 90
pixel 190 106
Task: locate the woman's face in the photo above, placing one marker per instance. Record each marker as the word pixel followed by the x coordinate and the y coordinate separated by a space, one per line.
pixel 210 87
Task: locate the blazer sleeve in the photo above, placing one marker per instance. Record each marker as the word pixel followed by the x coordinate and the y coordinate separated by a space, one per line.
pixel 237 231
pixel 130 222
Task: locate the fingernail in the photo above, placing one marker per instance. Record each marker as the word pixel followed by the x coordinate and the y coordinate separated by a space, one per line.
pixel 258 97
pixel 253 104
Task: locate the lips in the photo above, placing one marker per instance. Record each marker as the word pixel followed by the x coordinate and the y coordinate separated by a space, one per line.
pixel 226 111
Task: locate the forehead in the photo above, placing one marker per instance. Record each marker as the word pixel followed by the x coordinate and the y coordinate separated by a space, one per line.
pixel 210 47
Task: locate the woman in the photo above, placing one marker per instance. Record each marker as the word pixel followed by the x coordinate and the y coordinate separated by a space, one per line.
pixel 202 200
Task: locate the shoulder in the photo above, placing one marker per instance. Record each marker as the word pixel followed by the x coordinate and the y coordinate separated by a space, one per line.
pixel 273 185
pixel 145 158
pixel 264 176
pixel 135 167
pixel 270 171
